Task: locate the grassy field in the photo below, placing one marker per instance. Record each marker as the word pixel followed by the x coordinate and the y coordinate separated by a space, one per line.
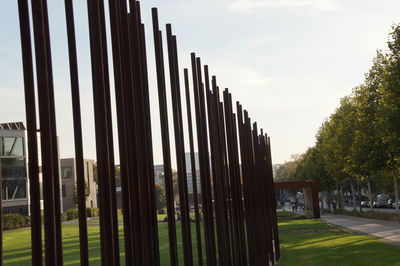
pixel 160 218
pixel 17 245
pixel 303 242
pixel 313 242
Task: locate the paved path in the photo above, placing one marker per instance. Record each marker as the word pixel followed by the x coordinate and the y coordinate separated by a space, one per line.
pixel 388 232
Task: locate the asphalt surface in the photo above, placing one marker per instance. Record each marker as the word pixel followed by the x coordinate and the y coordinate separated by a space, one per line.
pixel 388 232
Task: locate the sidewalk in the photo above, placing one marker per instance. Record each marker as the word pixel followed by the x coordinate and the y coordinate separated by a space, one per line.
pixel 388 232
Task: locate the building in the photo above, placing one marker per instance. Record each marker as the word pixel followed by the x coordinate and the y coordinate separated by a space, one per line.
pixel 41 172
pixel 13 165
pixel 68 181
pixel 159 174
pixel 189 172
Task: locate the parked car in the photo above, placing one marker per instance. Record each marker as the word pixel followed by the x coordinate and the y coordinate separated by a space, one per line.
pixel 394 204
pixel 365 204
pixel 381 201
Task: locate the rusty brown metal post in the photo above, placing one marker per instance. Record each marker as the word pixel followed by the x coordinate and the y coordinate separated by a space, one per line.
pixel 104 140
pixel 179 146
pixel 79 159
pixel 49 147
pixel 202 142
pixel 165 139
pixel 193 169
pixel 30 107
pixel 218 162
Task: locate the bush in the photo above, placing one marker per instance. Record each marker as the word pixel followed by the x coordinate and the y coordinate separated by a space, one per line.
pixel 15 220
pixel 92 212
pixel 393 217
pixel 69 214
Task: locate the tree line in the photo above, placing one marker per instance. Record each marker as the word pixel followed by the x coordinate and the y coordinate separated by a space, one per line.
pixel 358 146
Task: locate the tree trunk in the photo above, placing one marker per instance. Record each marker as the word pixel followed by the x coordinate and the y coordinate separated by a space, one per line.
pixel 370 195
pixel 396 191
pixel 359 194
pixel 322 201
pixel 340 199
pixel 353 193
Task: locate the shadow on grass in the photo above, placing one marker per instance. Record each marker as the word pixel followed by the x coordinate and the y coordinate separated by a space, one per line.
pixel 17 246
pixel 331 248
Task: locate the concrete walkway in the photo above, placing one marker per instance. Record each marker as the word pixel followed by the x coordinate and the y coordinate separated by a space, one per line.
pixel 388 232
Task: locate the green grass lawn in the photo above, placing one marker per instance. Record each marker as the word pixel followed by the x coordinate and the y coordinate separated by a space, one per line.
pixel 303 242
pixel 160 217
pixel 313 242
pixel 17 245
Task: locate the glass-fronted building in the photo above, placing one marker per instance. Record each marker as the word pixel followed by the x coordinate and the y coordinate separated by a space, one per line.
pixel 13 165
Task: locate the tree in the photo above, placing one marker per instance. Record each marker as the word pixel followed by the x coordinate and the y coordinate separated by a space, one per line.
pixel 161 201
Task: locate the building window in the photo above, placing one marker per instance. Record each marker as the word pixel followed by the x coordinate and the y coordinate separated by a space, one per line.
pixel 1 146
pixel 66 172
pixel 13 147
pixel 14 178
pixel 64 191
pixel 88 177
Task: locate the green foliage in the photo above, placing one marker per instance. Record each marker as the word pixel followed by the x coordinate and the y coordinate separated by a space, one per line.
pixel 161 200
pixel 387 216
pixel 70 214
pixel 15 220
pixel 361 139
pixel 92 212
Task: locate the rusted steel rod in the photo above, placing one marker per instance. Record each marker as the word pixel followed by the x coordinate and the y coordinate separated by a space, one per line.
pixel 30 107
pixel 217 158
pixel 76 111
pixel 122 80
pixel 152 212
pixel 104 140
pixel 273 200
pixel 52 219
pixel 165 139
pixel 179 146
pixel 209 233
pixel 235 184
pixel 193 170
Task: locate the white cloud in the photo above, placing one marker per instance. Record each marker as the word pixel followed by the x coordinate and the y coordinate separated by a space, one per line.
pixel 249 6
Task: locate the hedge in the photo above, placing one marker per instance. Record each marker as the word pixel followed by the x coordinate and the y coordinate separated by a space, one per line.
pixel 92 212
pixel 15 220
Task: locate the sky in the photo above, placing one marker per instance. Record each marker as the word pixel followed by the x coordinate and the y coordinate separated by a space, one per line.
pixel 287 61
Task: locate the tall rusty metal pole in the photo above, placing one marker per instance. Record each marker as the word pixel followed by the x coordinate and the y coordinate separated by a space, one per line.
pixel 30 107
pixel 209 234
pixel 179 146
pixel 121 63
pixel 53 244
pixel 79 158
pixel 165 139
pixel 1 212
pixel 193 169
pixel 104 143
pixel 217 158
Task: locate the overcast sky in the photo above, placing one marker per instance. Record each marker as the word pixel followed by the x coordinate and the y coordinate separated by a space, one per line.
pixel 287 61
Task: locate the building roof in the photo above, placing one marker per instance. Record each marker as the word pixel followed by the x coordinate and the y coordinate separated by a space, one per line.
pixel 12 126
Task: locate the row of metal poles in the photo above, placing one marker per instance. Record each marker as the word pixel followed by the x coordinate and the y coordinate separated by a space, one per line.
pixel 239 224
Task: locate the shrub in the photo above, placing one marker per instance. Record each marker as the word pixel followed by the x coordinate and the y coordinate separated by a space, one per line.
pixel 92 212
pixel 15 220
pixel 372 215
pixel 69 214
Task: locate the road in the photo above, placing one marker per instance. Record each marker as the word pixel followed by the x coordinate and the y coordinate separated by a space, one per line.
pixel 388 232
pixel 385 210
